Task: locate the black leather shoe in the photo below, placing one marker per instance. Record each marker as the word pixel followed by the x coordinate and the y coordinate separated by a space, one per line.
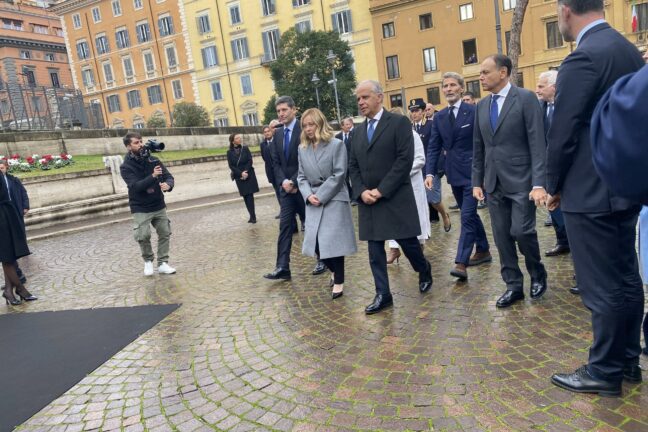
pixel 454 207
pixel 425 279
pixel 252 220
pixel 335 295
pixel 557 250
pixel 278 273
pixel 582 382
pixel 319 268
pixel 538 288
pixel 645 351
pixel 574 290
pixel 380 302
pixel 632 373
pixel 508 298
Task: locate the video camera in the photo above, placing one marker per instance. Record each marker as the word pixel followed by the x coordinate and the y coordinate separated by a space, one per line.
pixel 154 146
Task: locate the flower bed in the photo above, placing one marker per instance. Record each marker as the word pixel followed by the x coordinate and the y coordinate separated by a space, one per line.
pixel 36 162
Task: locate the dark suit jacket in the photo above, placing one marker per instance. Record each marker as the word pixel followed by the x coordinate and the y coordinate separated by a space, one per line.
pixel 619 131
pixel 545 119
pixel 514 154
pixel 285 168
pixel 457 143
pixel 267 160
pixel 19 196
pixel 339 136
pixel 385 163
pixel 602 57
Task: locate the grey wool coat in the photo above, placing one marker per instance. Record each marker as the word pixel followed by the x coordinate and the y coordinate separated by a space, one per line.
pixel 322 172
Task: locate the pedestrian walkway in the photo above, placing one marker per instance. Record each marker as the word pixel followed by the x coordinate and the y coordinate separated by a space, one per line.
pixel 246 354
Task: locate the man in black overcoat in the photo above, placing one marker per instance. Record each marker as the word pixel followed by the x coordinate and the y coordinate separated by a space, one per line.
pixel 382 154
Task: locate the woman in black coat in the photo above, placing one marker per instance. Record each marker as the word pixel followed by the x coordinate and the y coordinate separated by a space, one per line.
pixel 12 246
pixel 239 159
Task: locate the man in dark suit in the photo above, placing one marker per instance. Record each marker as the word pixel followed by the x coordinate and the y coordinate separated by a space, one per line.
pixel 509 162
pixel 382 154
pixel 600 224
pixel 345 136
pixel 546 91
pixel 452 132
pixel 268 134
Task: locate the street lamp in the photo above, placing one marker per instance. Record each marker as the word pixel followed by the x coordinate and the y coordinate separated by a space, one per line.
pixel 315 80
pixel 331 58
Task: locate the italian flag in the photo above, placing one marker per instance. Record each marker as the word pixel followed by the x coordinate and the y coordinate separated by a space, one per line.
pixel 634 18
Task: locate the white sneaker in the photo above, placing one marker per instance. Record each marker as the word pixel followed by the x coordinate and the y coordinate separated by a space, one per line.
pixel 166 269
pixel 148 268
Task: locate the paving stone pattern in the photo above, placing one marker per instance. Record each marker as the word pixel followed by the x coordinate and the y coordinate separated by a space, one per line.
pixel 247 354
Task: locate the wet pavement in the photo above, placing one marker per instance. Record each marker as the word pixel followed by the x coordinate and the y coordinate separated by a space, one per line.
pixel 247 354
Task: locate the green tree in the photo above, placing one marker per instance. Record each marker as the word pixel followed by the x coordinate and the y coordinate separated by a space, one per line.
pixel 304 54
pixel 269 112
pixel 156 121
pixel 188 114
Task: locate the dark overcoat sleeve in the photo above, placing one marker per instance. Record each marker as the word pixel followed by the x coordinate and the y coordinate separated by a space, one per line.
pixel 478 152
pixel 403 161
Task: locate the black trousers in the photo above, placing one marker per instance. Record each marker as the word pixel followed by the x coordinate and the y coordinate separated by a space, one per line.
pixel 513 219
pixel 605 260
pixel 249 205
pixel 378 260
pixel 291 205
pixel 335 266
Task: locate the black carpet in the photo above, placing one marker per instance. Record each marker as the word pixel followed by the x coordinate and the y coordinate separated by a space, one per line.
pixel 44 354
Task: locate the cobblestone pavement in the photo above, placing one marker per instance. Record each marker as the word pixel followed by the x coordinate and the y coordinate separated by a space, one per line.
pixel 247 354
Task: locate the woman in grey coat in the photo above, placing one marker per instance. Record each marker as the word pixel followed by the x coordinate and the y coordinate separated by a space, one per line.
pixel 322 171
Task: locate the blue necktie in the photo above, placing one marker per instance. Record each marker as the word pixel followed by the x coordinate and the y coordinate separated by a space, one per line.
pixel 286 143
pixel 371 129
pixel 550 111
pixel 494 113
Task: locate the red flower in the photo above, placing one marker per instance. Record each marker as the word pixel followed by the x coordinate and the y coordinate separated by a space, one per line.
pixel 15 156
pixel 30 160
pixel 64 156
pixel 48 157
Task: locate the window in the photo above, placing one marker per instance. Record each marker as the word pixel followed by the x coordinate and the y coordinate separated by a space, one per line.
pixel 240 48
pixel 268 7
pixel 88 77
pixel 113 103
pixel 221 122
pixel 466 12
pixel 56 83
pixel 154 94
pixel 40 29
pixel 474 87
pixel 29 77
pixel 209 57
pixel 116 8
pixel 49 57
pixel 554 38
pixel 342 22
pixel 149 62
pixel 235 14
pixel 4 106
pixel 388 30
pixel 246 85
pixel 76 21
pixel 250 119
pixel 204 25
pixel 425 21
pixel 138 125
pixel 128 67
pixel 96 15
pixel 165 23
pixel 108 72
pixel 177 89
pixel 509 4
pixel 297 3
pixel 429 59
pixel 642 16
pixel 470 51
pixel 134 99
pixel 121 36
pixel 24 54
pixel 270 45
pixel 58 31
pixel 82 50
pixel 433 95
pixel 217 94
pixel 392 67
pixel 143 32
pixel 172 59
pixel 102 44
pixel 396 100
pixel 137 4
pixel 303 26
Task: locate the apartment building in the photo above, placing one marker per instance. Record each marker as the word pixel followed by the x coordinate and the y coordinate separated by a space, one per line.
pixel 130 56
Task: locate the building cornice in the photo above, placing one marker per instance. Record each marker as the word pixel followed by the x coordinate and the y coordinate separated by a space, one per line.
pixel 71 5
pixel 391 5
pixel 23 43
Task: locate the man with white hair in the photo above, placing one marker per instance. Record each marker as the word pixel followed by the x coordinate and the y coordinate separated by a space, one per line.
pixel 546 91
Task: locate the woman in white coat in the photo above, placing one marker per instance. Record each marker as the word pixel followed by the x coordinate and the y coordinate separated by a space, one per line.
pixel 420 196
pixel 321 178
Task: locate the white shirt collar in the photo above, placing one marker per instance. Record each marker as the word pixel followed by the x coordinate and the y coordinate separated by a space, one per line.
pixel 377 116
pixel 504 92
pixel 586 28
pixel 456 105
pixel 291 126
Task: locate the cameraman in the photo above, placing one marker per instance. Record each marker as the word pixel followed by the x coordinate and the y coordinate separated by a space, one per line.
pixel 146 178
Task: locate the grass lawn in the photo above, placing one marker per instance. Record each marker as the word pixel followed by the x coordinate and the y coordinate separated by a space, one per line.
pixel 94 162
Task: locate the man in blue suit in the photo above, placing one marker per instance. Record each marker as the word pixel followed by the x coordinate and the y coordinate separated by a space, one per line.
pixel 600 224
pixel 452 131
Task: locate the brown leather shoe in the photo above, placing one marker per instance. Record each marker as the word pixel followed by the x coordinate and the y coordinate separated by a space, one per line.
pixel 393 255
pixel 480 258
pixel 459 271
